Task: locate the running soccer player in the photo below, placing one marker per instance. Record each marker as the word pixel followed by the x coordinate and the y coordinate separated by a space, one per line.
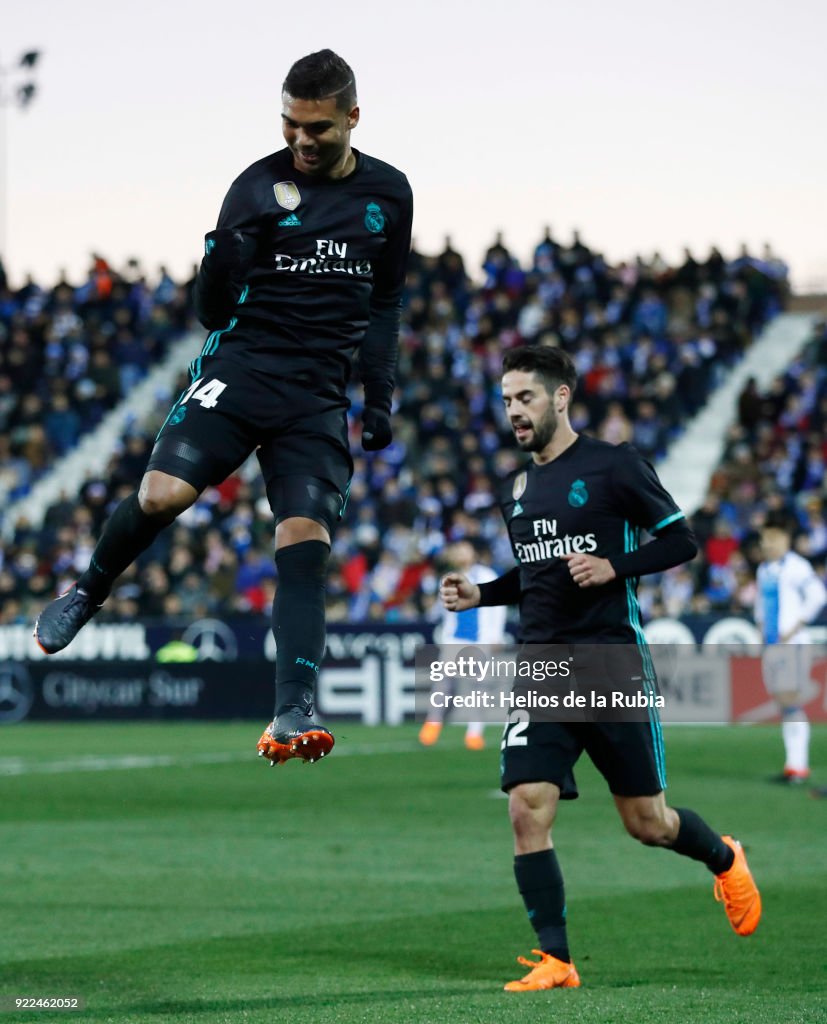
pixel 574 514
pixel 306 267
pixel 789 597
pixel 478 627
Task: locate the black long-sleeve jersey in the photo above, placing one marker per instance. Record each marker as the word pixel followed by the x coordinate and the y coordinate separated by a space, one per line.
pixel 594 498
pixel 321 272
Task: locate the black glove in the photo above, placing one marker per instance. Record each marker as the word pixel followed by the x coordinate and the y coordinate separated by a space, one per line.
pixel 223 248
pixel 376 430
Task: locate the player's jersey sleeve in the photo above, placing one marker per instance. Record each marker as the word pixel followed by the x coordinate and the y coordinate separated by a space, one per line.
pixel 242 208
pixel 219 285
pixel 491 617
pixel 380 347
pixel 389 273
pixel 643 498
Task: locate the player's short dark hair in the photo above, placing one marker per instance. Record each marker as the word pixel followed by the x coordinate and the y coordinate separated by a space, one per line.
pixel 321 75
pixel 552 365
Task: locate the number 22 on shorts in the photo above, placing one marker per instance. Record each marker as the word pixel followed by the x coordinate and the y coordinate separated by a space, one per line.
pixel 515 727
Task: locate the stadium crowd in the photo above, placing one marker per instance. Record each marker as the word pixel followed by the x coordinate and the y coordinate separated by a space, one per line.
pixel 69 354
pixel 773 461
pixel 650 341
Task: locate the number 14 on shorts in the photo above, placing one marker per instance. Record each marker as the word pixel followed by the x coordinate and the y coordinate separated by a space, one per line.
pixel 208 395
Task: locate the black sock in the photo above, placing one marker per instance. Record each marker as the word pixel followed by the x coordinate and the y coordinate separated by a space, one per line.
pixel 696 839
pixel 540 882
pixel 299 621
pixel 128 532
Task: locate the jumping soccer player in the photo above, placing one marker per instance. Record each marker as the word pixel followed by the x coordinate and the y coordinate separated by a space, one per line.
pixel 306 267
pixel 790 596
pixel 574 515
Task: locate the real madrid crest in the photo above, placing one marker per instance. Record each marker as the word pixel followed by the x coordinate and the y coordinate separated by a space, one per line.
pixel 578 495
pixel 520 484
pixel 374 218
pixel 287 194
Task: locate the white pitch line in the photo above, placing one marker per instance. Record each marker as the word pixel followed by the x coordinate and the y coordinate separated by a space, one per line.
pixel 131 762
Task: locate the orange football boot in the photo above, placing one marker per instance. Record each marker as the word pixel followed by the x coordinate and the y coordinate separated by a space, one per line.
pixel 737 890
pixel 295 733
pixel 474 742
pixel 429 733
pixel 549 972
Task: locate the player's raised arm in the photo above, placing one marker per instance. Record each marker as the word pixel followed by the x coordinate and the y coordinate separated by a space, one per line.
pixel 229 253
pixel 380 347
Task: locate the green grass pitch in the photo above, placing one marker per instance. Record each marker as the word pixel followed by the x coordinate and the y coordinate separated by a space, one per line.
pixel 187 882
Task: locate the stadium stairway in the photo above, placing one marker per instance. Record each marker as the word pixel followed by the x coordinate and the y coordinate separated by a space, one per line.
pixel 690 462
pixel 95 449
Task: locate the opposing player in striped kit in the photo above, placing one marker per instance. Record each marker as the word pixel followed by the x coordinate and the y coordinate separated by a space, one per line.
pixel 789 596
pixel 482 628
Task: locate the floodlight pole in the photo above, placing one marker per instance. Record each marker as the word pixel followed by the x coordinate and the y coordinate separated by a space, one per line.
pixel 3 163
pixel 21 98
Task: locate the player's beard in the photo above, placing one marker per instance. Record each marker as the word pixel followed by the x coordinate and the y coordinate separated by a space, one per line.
pixel 541 433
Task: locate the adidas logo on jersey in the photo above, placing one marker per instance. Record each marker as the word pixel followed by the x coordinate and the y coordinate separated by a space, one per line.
pixel 290 221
